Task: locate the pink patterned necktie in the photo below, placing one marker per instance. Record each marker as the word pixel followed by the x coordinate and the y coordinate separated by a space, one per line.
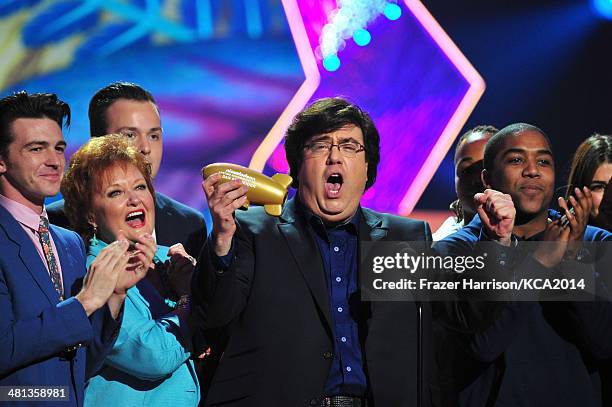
pixel 45 241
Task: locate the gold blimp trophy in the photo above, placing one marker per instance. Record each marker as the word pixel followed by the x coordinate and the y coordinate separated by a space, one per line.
pixel 271 192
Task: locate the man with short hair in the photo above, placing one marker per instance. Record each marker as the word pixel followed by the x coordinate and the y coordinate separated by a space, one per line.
pixel 128 109
pixel 46 317
pixel 469 154
pixel 534 353
pixel 286 289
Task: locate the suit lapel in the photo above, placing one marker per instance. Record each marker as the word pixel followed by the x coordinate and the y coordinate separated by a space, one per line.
pixel 306 253
pixel 307 257
pixel 28 255
pixel 371 226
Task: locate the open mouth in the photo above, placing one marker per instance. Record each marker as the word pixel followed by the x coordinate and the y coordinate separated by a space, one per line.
pixel 333 185
pixel 135 219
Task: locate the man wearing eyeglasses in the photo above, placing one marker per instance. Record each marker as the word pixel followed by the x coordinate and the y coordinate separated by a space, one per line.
pixel 285 289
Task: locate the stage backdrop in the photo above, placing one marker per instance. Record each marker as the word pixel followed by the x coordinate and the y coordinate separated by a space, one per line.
pixel 229 75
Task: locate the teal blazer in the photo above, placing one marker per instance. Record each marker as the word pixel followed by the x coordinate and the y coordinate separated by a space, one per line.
pixel 150 364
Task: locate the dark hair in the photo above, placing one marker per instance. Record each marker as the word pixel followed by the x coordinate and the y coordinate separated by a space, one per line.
pixel 324 116
pixel 485 129
pixel 86 171
pixel 497 140
pixel 101 101
pixel 35 106
pixel 593 152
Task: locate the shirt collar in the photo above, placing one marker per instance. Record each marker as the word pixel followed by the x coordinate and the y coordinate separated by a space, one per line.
pixel 95 247
pixel 22 213
pixel 350 225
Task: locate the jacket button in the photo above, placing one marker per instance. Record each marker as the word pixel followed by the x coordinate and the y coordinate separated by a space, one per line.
pixel 328 355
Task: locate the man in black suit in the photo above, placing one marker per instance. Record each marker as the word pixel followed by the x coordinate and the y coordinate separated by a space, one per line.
pixel 128 109
pixel 285 289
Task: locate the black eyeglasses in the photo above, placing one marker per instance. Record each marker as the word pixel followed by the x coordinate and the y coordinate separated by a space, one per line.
pixel 346 148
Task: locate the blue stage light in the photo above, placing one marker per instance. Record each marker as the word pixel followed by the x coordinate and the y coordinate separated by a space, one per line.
pixel 603 8
pixel 362 37
pixel 392 11
pixel 331 63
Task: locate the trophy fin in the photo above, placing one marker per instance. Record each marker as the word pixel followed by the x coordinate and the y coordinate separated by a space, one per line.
pixel 283 179
pixel 273 210
pixel 245 205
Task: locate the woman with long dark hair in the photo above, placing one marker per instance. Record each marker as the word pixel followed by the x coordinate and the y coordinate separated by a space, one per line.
pixel 592 167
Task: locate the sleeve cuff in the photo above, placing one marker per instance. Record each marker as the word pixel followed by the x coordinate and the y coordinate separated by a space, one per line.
pixel 76 321
pixel 221 263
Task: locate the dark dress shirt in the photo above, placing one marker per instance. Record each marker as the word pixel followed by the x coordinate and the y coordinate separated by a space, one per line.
pixel 338 248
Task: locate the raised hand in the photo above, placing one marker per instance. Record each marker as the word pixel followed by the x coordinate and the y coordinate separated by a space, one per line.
pixel 102 275
pixel 180 270
pixel 223 200
pixel 497 213
pixel 563 237
pixel 554 244
pixel 140 261
pixel 578 220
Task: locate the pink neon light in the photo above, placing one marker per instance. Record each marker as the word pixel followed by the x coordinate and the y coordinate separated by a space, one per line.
pixel 475 91
pixel 306 41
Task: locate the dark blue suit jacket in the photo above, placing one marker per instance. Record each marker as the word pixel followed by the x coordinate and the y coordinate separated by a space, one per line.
pixel 534 353
pixel 174 223
pixel 36 329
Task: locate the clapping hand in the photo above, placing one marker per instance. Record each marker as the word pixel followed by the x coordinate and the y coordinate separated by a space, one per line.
pixel 102 276
pixel 141 258
pixel 563 237
pixel 180 270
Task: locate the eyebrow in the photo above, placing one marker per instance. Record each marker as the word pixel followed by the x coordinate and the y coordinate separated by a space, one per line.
pixel 138 181
pixel 36 143
pixel 464 159
pixel 524 151
pixel 327 138
pixel 43 143
pixel 137 129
